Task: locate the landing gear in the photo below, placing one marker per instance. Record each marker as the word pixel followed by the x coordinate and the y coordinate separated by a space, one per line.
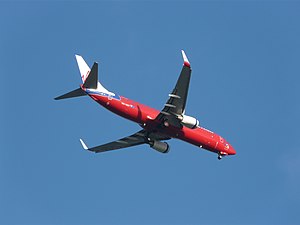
pixel 166 123
pixel 220 156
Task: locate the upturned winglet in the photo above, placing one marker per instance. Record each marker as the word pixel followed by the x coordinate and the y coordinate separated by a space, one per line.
pixel 83 144
pixel 185 59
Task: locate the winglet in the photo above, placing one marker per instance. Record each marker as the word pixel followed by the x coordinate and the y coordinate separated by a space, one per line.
pixel 83 144
pixel 185 59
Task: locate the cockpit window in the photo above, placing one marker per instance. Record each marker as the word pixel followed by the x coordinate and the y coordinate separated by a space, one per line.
pixel 226 146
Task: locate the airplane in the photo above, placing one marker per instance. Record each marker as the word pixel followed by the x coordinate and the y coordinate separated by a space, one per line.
pixel 157 126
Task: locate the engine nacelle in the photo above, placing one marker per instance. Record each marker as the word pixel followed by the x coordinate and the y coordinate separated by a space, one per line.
pixel 189 121
pixel 162 147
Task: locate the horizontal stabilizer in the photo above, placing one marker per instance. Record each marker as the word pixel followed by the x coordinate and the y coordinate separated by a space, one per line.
pixel 76 93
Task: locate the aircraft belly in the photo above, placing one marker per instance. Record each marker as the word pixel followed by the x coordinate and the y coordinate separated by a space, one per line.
pixel 200 137
pixel 128 109
pixel 142 114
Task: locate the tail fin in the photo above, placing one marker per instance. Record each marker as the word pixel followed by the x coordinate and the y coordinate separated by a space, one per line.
pixel 89 78
pixel 83 68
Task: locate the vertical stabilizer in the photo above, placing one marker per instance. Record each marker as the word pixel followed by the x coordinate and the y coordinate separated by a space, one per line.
pixel 89 79
pixel 83 68
pixel 90 76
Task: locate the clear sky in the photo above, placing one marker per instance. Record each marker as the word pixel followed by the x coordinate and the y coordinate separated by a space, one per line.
pixel 245 87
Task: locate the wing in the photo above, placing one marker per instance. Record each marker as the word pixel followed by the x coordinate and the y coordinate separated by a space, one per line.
pixel 176 103
pixel 141 137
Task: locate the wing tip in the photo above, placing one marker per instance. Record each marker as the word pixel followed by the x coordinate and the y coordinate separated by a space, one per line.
pixel 83 144
pixel 185 59
pixel 77 56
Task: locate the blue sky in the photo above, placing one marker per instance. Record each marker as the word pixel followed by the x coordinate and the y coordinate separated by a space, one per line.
pixel 245 87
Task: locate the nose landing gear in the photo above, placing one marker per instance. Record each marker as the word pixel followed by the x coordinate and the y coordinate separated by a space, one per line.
pixel 219 156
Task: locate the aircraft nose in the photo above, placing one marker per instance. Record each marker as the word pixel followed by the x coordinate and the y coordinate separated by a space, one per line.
pixel 231 150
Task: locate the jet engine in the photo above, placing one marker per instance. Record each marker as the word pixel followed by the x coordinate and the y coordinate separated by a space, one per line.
pixel 162 147
pixel 189 121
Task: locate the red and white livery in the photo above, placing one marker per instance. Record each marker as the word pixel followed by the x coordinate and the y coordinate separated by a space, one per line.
pixel 157 126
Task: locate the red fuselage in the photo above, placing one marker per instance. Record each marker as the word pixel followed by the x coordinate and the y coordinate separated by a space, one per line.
pixel 145 116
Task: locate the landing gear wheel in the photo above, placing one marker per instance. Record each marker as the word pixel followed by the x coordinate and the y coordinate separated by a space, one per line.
pixel 220 157
pixel 166 123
